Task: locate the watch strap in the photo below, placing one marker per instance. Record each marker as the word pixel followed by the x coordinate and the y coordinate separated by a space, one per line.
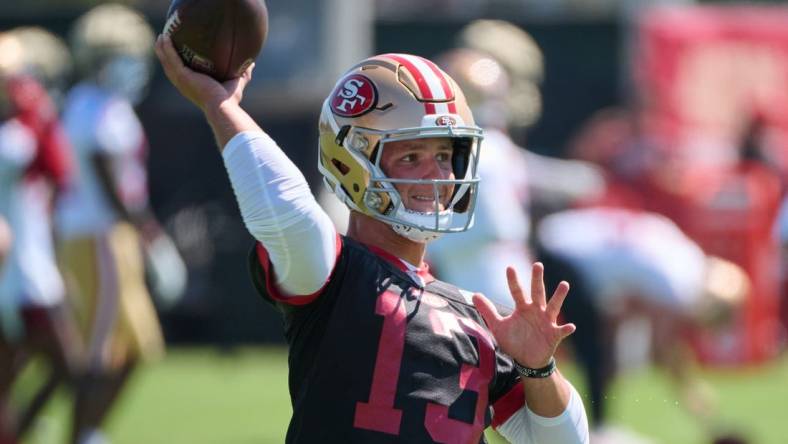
pixel 529 372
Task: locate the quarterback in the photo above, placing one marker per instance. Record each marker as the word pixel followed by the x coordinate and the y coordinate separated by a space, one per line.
pixel 380 351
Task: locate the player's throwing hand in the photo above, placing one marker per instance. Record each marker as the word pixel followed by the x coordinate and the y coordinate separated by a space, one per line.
pixel 200 89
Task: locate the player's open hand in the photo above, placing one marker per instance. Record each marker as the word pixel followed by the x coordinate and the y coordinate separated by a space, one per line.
pixel 200 89
pixel 531 334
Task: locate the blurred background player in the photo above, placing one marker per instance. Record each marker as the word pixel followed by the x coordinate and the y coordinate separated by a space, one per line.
pixel 104 220
pixel 34 168
pixel 501 83
pixel 46 58
pixel 553 183
pixel 522 59
pixel 629 265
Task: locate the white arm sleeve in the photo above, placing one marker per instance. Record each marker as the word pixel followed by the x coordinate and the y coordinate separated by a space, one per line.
pixel 279 210
pixel 570 427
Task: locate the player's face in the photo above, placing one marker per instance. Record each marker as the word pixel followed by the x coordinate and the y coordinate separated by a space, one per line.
pixel 420 159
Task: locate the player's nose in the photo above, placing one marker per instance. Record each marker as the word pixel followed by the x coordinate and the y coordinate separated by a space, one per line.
pixel 433 168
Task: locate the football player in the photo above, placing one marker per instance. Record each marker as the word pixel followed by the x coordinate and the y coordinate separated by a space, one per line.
pixel 34 168
pixel 46 58
pixel 628 264
pixel 105 217
pixel 380 351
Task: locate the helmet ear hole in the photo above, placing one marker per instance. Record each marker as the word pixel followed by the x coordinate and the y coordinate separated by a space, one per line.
pixel 343 169
pixel 373 156
pixel 460 157
pixel 462 205
pixel 460 160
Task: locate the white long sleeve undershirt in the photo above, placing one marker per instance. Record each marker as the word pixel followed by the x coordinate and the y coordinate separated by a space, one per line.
pixel 279 210
pixel 570 427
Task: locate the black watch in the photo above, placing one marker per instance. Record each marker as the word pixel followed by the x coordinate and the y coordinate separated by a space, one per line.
pixel 543 372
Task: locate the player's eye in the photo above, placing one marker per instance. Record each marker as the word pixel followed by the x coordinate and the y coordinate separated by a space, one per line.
pixel 408 158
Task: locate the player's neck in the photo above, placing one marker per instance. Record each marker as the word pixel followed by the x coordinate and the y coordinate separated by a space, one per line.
pixel 373 232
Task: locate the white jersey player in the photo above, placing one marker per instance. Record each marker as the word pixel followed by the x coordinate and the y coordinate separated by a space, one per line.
pixel 630 265
pixel 30 276
pixel 104 219
pixel 622 253
pixel 34 318
pixel 99 123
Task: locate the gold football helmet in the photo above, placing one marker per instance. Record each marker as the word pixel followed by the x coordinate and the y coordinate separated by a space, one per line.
pixel 484 82
pixel 114 44
pixel 43 55
pixel 520 56
pixel 393 97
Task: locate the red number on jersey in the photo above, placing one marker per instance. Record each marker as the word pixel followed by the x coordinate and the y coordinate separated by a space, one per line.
pixel 379 414
pixel 437 421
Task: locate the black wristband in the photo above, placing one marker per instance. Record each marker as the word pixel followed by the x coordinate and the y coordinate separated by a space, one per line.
pixel 543 372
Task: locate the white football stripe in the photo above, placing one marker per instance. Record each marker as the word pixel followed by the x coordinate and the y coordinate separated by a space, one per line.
pixel 433 82
pixel 441 108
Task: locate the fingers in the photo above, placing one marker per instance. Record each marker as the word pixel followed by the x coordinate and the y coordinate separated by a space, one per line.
pixel 486 309
pixel 520 298
pixel 238 85
pixel 248 73
pixel 557 301
pixel 538 293
pixel 566 330
pixel 168 49
pixel 170 60
pixel 158 48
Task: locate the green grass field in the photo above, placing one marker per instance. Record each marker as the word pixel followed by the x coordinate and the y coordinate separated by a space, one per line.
pixel 199 396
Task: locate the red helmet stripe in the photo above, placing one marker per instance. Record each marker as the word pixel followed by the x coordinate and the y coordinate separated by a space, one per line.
pixel 418 76
pixel 444 84
pixel 430 83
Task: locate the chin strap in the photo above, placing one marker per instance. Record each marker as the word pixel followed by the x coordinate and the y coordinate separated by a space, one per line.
pixel 416 234
pixel 421 219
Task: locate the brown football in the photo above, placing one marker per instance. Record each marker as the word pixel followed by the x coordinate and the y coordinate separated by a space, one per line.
pixel 220 38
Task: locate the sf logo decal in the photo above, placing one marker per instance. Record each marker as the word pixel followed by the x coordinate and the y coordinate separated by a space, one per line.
pixel 446 121
pixel 354 96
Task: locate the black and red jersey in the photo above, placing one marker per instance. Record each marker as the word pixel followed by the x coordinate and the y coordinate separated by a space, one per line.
pixel 378 357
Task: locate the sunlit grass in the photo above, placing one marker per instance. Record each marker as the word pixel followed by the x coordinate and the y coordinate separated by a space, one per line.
pixel 200 396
